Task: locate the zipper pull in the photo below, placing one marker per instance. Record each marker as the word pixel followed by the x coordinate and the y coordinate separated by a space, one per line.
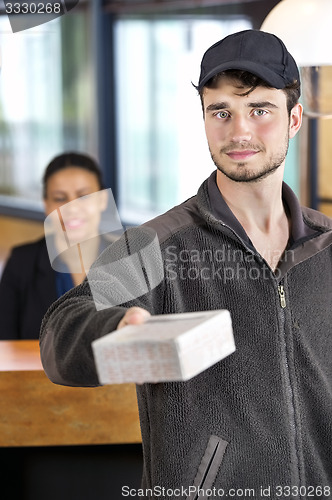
pixel 282 296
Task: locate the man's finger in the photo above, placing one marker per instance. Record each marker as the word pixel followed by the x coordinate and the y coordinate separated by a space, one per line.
pixel 134 316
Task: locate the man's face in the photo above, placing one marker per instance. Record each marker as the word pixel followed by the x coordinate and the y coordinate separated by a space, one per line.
pixel 248 135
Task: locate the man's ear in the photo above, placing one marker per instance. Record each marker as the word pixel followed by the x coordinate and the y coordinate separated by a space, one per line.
pixel 295 120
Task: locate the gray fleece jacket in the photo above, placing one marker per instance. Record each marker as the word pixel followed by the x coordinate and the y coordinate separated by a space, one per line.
pixel 259 421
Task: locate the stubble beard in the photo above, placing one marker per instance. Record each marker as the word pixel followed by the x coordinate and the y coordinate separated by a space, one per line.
pixel 243 173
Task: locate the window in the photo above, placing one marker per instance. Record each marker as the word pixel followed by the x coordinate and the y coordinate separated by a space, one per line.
pixel 46 102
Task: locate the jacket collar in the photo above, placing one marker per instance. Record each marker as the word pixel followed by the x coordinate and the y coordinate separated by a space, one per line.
pixel 300 229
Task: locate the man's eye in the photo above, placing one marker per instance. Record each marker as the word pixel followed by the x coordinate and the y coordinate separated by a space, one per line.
pixel 222 114
pixel 260 112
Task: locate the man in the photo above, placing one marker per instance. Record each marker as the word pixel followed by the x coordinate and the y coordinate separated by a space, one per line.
pixel 258 423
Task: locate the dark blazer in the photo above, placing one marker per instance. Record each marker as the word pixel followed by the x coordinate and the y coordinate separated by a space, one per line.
pixel 27 289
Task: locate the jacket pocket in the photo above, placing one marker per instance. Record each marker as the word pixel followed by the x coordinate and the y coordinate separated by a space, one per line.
pixel 209 466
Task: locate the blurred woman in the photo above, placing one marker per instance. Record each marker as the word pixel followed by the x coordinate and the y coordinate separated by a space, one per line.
pixel 30 282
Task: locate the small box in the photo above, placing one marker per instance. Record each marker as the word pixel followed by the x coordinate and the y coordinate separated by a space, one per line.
pixel 168 347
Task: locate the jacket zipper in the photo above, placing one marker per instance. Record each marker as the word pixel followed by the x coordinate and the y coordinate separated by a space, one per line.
pixel 208 468
pixel 287 377
pixel 289 391
pixel 282 296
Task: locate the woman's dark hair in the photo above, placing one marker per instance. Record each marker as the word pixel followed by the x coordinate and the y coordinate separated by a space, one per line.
pixel 68 160
pixel 251 82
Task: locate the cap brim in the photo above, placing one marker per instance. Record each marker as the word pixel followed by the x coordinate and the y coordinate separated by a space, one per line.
pixel 270 77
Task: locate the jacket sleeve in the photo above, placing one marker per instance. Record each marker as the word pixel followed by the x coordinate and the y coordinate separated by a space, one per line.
pixel 128 273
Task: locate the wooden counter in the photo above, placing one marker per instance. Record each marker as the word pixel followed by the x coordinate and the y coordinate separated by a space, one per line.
pixel 36 412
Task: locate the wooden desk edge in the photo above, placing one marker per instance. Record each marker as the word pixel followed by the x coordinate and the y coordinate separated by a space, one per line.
pixel 36 412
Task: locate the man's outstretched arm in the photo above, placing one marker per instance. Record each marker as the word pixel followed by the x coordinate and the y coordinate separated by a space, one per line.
pixel 122 288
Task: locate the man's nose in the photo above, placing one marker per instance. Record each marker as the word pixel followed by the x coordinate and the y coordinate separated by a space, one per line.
pixel 240 130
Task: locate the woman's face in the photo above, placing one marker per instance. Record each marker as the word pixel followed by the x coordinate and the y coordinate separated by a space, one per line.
pixel 66 197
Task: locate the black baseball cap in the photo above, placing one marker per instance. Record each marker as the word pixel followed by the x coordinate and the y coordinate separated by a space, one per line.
pixel 257 52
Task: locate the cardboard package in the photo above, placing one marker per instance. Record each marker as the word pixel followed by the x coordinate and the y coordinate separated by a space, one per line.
pixel 172 347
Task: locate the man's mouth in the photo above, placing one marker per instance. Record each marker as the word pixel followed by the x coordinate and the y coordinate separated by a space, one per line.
pixel 242 155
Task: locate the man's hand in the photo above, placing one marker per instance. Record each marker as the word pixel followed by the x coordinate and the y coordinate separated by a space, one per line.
pixel 134 316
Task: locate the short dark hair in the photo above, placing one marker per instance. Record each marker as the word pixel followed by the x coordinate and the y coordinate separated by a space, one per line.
pixel 68 160
pixel 251 82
